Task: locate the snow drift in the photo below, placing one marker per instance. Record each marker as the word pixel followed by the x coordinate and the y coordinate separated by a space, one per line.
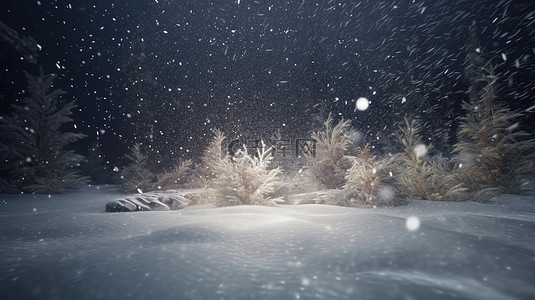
pixel 67 247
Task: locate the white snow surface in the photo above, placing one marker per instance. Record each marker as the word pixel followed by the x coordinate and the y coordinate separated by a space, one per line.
pixel 68 247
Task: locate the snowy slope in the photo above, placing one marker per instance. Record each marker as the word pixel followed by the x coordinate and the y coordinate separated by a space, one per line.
pixel 67 247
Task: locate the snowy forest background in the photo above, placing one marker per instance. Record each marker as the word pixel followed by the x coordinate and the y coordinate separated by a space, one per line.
pixel 152 80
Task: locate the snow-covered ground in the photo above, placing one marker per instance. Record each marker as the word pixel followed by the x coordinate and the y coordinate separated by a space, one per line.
pixel 68 247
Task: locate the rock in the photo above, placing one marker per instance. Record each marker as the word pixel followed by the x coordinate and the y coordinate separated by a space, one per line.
pixel 174 201
pixel 120 205
pixel 153 201
pixel 148 202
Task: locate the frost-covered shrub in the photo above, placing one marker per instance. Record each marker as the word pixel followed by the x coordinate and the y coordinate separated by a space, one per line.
pixel 332 145
pixel 367 183
pixel 214 154
pixel 363 184
pixel 493 155
pixel 421 177
pixel 241 179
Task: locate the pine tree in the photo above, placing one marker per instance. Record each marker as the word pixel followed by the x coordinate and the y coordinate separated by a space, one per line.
pixel 474 64
pixel 33 148
pixel 494 156
pixel 137 176
pixel 26 46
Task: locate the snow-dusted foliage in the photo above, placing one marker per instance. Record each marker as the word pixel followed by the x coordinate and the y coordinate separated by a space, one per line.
pixel 421 177
pixel 493 155
pixel 137 177
pixel 213 155
pixel 365 183
pixel 331 161
pixel 26 46
pixel 33 148
pixel 241 179
pixel 175 178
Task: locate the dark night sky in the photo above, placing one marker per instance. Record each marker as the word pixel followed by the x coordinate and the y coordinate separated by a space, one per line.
pixel 255 66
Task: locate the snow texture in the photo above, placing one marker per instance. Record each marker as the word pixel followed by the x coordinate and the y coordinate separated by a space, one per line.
pixel 67 247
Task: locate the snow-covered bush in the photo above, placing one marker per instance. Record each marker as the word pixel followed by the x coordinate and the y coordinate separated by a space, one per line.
pixel 493 156
pixel 214 154
pixel 332 145
pixel 241 179
pixel 34 148
pixel 421 177
pixel 367 183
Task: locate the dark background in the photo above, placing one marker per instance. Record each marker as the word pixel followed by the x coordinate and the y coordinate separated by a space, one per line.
pixel 165 72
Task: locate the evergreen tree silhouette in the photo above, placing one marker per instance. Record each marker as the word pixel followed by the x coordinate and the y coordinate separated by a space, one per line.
pixel 33 147
pixel 494 155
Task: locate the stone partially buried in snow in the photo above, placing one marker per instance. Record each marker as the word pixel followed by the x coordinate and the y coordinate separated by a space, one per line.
pixel 120 205
pixel 147 202
pixel 174 201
